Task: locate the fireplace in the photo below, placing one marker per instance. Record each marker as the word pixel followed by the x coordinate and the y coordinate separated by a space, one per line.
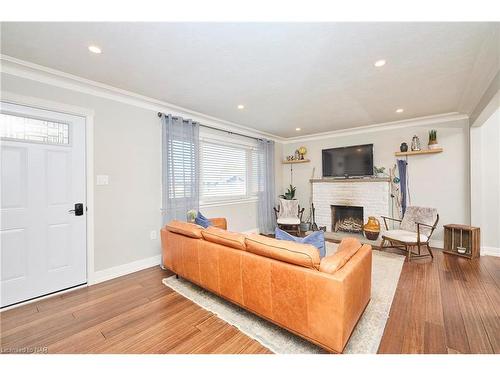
pixel 347 219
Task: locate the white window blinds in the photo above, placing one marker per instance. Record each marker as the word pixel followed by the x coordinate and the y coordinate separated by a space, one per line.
pixel 224 171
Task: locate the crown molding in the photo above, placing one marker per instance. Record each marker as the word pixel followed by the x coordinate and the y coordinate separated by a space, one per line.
pixel 409 123
pixel 25 69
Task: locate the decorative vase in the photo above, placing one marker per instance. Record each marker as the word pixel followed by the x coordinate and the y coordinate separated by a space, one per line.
pixel 372 228
pixel 403 147
pixel 415 143
pixel 433 146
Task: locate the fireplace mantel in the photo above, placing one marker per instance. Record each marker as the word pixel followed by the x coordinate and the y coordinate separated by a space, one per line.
pixel 341 180
pixel 373 194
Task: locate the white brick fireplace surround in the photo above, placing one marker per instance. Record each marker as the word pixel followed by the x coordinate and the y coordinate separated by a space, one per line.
pixel 371 194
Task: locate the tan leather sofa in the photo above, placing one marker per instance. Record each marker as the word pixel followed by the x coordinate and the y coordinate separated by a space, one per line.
pixel 281 281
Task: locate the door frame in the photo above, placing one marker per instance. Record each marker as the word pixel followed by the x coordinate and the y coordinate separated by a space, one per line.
pixel 88 114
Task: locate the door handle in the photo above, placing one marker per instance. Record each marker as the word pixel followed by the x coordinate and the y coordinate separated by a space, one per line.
pixel 78 209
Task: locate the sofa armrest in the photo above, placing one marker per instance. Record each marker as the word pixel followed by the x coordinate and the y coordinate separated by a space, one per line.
pixel 219 222
pixel 336 301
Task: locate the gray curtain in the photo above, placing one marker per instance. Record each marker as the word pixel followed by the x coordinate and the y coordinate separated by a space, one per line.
pixel 265 179
pixel 180 167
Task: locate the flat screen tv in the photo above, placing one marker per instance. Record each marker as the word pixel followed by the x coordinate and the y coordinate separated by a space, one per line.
pixel 354 161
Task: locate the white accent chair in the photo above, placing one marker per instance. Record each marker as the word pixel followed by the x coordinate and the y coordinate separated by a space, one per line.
pixel 415 231
pixel 289 215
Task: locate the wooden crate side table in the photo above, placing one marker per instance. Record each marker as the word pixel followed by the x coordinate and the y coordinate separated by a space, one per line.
pixel 457 235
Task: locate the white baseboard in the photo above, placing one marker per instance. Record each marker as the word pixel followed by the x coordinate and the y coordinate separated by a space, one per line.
pixel 123 269
pixel 493 251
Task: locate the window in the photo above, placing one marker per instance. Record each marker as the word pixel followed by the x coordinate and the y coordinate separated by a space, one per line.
pixel 34 130
pixel 228 171
pixel 183 156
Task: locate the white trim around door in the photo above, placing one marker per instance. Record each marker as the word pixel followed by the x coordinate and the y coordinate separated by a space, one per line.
pixel 88 114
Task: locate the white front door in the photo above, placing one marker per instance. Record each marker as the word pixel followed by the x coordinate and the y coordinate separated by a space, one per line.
pixel 42 241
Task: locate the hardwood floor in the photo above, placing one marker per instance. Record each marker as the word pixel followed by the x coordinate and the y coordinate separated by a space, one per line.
pixel 450 305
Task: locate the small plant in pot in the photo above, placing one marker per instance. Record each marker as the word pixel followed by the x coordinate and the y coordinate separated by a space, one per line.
pixel 433 143
pixel 379 172
pixel 290 193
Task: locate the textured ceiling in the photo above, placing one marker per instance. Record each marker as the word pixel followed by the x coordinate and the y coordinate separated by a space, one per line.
pixel 319 77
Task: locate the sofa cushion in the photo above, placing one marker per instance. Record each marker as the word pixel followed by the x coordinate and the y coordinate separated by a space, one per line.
pixel 184 228
pixel 202 220
pixel 286 251
pixel 224 237
pixel 347 248
pixel 317 239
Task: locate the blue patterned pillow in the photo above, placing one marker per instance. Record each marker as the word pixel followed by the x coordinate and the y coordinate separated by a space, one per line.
pixel 202 220
pixel 317 239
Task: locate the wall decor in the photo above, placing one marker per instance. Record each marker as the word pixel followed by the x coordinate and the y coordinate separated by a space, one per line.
pixel 415 143
pixel 302 152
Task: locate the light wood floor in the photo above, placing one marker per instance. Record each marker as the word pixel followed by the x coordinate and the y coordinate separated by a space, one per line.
pixel 447 306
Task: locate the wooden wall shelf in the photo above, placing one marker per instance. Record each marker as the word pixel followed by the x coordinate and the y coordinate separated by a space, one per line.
pixel 295 161
pixel 421 152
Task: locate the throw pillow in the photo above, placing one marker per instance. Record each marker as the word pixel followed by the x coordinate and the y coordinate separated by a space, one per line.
pixel 317 239
pixel 202 220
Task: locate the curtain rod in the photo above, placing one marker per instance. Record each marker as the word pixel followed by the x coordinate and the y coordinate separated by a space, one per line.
pixel 225 131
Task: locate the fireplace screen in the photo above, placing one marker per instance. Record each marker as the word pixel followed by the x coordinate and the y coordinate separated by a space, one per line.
pixel 347 219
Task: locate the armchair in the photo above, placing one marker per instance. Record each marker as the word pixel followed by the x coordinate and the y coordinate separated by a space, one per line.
pixel 415 231
pixel 289 215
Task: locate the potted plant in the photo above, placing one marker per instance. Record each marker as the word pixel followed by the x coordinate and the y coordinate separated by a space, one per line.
pixel 290 193
pixel 379 171
pixel 433 143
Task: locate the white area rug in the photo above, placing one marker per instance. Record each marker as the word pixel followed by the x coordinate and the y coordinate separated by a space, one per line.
pixel 367 333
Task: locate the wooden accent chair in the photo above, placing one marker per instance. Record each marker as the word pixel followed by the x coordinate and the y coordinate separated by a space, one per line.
pixel 415 231
pixel 289 215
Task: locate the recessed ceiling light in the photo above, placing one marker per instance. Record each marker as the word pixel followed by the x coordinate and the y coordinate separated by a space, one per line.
pixel 400 110
pixel 94 49
pixel 241 106
pixel 379 63
pixel 298 129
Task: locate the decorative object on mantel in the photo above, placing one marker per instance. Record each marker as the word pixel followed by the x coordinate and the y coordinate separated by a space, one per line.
pixel 415 143
pixel 302 152
pixel 379 171
pixel 372 228
pixel 433 143
pixel 297 155
pixel 462 240
pixel 403 147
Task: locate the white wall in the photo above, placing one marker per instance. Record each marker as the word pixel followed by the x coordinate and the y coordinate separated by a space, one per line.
pixel 127 147
pixel 436 180
pixel 485 182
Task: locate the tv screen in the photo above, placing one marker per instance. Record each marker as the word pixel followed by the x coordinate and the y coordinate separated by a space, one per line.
pixel 354 161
